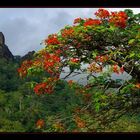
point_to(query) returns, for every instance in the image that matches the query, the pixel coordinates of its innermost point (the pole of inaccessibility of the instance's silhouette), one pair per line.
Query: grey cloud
(61, 18)
(25, 28)
(20, 35)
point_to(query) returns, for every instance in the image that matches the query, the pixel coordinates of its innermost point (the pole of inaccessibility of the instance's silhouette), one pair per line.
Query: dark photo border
(71, 136)
(69, 4)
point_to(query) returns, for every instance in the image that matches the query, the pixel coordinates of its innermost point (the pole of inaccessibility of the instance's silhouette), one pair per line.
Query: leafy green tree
(111, 42)
(9, 79)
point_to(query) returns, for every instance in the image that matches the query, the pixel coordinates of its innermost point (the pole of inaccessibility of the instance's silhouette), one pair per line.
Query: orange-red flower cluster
(24, 67)
(138, 85)
(102, 58)
(77, 20)
(40, 88)
(102, 13)
(122, 69)
(67, 32)
(51, 63)
(45, 87)
(37, 62)
(52, 40)
(80, 123)
(119, 19)
(74, 60)
(117, 70)
(70, 82)
(93, 67)
(90, 22)
(58, 51)
(40, 123)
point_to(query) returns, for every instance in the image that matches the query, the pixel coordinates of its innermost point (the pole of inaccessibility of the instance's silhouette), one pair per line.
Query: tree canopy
(109, 41)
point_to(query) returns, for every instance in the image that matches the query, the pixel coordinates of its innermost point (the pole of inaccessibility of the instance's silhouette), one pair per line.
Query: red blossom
(90, 22)
(51, 62)
(67, 32)
(40, 88)
(70, 82)
(93, 67)
(46, 87)
(102, 58)
(102, 13)
(77, 20)
(55, 58)
(119, 19)
(79, 122)
(74, 60)
(49, 90)
(36, 62)
(52, 40)
(24, 67)
(123, 15)
(116, 69)
(40, 123)
(58, 51)
(138, 85)
(122, 69)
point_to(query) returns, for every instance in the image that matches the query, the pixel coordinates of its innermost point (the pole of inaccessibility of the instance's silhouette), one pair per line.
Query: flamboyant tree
(112, 38)
(111, 41)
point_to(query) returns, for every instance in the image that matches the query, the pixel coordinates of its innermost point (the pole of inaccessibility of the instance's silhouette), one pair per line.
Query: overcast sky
(25, 28)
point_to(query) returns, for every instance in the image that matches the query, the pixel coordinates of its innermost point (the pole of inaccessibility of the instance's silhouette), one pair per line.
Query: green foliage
(9, 79)
(128, 89)
(11, 126)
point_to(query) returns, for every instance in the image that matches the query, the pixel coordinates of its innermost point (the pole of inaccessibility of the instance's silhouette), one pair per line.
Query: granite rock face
(4, 50)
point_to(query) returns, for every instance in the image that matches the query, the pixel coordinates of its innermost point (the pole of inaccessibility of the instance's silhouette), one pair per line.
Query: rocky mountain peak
(4, 50)
(2, 39)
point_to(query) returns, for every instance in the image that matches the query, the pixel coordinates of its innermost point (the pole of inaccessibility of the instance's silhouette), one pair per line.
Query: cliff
(4, 50)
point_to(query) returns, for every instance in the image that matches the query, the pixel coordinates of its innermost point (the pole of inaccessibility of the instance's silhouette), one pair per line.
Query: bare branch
(125, 80)
(68, 75)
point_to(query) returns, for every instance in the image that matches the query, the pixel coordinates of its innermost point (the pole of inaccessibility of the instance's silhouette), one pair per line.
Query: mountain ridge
(5, 52)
